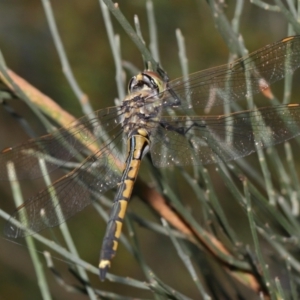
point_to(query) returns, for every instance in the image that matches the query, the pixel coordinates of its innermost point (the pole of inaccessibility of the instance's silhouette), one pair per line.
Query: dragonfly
(156, 117)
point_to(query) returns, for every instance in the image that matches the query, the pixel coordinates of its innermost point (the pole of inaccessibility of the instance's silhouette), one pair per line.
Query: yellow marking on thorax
(293, 105)
(139, 77)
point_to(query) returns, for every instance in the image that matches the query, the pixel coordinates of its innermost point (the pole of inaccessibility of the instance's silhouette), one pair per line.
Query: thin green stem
(114, 8)
(66, 68)
(18, 198)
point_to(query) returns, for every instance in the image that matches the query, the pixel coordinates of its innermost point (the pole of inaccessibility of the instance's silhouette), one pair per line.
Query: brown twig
(157, 202)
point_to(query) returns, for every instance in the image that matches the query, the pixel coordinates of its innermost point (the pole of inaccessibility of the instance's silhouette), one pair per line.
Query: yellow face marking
(128, 189)
(118, 229)
(139, 77)
(104, 263)
(123, 205)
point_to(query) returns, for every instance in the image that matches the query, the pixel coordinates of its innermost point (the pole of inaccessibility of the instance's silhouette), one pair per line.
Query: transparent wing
(204, 140)
(63, 145)
(70, 194)
(227, 83)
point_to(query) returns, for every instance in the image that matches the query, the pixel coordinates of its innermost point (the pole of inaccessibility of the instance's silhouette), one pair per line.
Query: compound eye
(150, 82)
(132, 84)
(154, 81)
(144, 81)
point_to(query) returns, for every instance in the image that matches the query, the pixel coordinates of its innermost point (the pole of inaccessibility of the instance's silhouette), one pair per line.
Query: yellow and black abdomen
(138, 145)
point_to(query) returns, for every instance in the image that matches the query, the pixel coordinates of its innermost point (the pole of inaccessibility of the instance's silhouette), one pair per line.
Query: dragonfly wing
(70, 194)
(60, 146)
(204, 140)
(227, 83)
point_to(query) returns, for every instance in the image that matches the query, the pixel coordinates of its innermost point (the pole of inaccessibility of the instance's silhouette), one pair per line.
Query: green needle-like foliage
(224, 231)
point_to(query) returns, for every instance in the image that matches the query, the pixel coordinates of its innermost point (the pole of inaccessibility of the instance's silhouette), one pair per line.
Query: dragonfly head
(146, 81)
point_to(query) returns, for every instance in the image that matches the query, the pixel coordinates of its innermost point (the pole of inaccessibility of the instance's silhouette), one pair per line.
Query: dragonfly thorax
(141, 106)
(140, 114)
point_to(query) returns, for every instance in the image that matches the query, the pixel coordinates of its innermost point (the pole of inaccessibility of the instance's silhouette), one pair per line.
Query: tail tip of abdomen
(103, 267)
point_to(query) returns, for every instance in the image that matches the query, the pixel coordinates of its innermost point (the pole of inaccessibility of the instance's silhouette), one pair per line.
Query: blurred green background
(28, 49)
